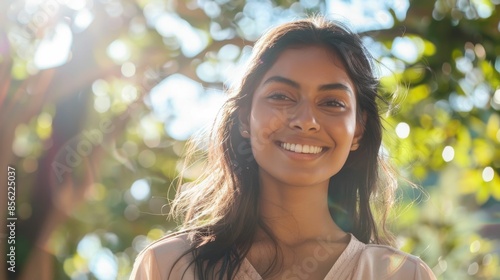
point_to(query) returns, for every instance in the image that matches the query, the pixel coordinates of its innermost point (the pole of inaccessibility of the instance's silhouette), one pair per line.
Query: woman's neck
(297, 214)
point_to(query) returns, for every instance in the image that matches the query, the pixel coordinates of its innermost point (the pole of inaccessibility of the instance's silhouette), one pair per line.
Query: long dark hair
(221, 210)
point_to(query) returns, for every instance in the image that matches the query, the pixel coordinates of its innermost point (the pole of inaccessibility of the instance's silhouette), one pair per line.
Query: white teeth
(298, 148)
(303, 149)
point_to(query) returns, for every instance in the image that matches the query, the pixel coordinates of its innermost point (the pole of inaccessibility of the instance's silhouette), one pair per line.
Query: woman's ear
(358, 133)
(244, 123)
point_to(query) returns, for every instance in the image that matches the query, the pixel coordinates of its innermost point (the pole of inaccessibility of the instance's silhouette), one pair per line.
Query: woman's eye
(279, 96)
(335, 103)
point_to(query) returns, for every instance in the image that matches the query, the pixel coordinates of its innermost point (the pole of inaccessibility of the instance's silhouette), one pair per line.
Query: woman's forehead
(303, 61)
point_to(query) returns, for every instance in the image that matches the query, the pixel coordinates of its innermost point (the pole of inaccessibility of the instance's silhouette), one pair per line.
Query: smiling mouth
(303, 149)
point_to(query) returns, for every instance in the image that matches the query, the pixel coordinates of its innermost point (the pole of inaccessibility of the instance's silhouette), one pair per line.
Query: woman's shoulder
(385, 262)
(171, 244)
(165, 258)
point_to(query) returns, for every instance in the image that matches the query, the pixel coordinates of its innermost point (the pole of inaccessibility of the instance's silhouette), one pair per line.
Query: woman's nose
(303, 119)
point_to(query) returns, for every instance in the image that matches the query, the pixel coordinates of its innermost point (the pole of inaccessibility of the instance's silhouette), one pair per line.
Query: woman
(293, 168)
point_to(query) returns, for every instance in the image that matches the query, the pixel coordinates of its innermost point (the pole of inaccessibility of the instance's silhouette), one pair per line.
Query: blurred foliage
(95, 154)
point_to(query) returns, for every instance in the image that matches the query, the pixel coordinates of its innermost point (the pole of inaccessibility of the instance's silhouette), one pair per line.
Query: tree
(94, 158)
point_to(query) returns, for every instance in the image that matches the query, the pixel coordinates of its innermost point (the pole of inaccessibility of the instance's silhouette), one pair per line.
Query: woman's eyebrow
(336, 86)
(283, 80)
(325, 87)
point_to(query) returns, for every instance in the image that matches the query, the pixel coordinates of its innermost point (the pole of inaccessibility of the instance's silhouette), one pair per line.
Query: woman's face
(302, 122)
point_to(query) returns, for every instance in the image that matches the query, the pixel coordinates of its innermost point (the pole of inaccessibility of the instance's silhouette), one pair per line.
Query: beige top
(358, 261)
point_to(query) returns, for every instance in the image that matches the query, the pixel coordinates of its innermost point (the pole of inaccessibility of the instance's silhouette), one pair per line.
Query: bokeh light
(140, 189)
(488, 174)
(104, 265)
(54, 50)
(448, 153)
(403, 130)
(118, 51)
(184, 106)
(128, 69)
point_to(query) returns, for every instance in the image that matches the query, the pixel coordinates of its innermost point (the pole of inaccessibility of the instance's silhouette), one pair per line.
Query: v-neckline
(341, 269)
